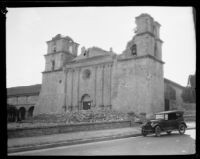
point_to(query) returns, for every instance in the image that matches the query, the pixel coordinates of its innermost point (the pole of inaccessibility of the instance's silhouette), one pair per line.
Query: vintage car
(166, 121)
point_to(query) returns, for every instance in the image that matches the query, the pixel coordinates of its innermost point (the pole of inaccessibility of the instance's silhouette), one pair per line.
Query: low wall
(189, 106)
(39, 131)
(189, 118)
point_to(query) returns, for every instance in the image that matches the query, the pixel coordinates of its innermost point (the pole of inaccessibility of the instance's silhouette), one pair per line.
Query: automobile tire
(157, 131)
(144, 133)
(169, 132)
(181, 129)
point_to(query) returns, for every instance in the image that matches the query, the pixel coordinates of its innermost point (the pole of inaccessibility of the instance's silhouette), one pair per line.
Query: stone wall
(137, 86)
(23, 100)
(189, 106)
(178, 101)
(58, 59)
(99, 83)
(87, 84)
(39, 131)
(145, 44)
(97, 86)
(12, 100)
(25, 106)
(32, 99)
(74, 86)
(51, 98)
(156, 83)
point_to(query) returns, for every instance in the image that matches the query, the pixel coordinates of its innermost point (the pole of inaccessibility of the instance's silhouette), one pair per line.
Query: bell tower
(143, 55)
(146, 40)
(60, 51)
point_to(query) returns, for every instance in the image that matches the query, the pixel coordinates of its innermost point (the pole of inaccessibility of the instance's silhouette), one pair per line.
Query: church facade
(130, 81)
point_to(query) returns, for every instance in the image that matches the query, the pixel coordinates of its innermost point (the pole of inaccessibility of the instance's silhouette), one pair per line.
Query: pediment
(92, 52)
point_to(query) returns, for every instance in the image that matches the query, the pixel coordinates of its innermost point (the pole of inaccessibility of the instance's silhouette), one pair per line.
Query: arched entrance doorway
(86, 102)
(30, 111)
(11, 113)
(22, 112)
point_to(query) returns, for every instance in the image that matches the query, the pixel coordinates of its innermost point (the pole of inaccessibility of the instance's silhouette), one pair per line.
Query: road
(150, 145)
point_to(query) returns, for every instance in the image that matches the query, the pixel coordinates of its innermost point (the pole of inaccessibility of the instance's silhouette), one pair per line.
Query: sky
(28, 29)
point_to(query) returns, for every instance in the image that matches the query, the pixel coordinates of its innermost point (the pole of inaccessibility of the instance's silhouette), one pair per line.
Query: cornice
(149, 33)
(23, 94)
(88, 65)
(173, 83)
(140, 57)
(58, 52)
(53, 71)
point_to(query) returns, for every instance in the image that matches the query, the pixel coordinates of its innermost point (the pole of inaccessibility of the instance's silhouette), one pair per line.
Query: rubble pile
(92, 115)
(74, 117)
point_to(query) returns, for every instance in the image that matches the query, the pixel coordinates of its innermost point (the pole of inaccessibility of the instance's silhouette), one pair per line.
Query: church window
(54, 46)
(52, 65)
(133, 49)
(155, 50)
(86, 74)
(86, 53)
(54, 49)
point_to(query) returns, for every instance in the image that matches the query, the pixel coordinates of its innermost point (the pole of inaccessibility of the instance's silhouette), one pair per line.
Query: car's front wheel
(157, 130)
(144, 133)
(181, 129)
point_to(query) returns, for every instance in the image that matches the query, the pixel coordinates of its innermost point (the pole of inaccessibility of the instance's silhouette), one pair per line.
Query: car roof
(171, 111)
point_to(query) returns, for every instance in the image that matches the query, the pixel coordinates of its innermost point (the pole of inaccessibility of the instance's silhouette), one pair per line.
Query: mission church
(130, 81)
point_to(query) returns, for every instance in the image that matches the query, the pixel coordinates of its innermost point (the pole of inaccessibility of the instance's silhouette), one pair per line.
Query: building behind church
(130, 81)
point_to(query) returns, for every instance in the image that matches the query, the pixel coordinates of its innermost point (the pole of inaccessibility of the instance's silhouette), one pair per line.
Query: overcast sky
(28, 29)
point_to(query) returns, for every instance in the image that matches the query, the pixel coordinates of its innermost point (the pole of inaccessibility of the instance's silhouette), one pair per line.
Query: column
(72, 89)
(111, 85)
(95, 85)
(26, 113)
(78, 88)
(102, 85)
(65, 90)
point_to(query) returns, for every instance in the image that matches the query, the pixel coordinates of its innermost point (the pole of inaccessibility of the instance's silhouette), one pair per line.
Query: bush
(188, 95)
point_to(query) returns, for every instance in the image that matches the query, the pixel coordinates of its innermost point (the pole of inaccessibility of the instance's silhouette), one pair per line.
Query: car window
(178, 115)
(172, 116)
(159, 116)
(166, 116)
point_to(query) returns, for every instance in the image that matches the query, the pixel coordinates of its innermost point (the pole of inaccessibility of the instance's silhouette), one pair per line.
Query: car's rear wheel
(181, 129)
(169, 132)
(157, 130)
(144, 133)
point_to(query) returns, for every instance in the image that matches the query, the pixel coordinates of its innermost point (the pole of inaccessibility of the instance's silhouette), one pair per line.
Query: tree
(187, 95)
(192, 84)
(189, 92)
